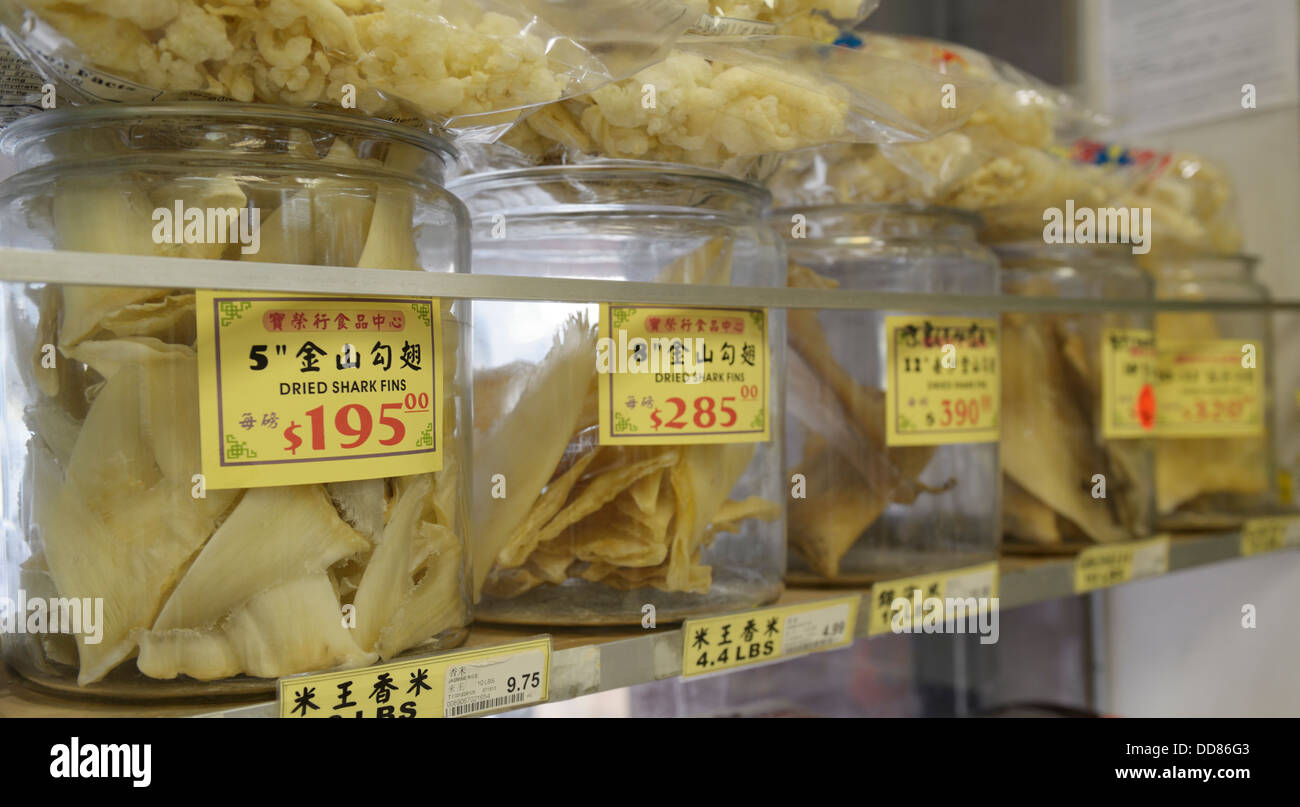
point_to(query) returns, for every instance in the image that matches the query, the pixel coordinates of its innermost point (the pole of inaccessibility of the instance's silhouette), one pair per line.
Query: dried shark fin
(387, 579)
(107, 356)
(1025, 517)
(1037, 405)
(645, 492)
(341, 210)
(273, 535)
(206, 194)
(204, 655)
(527, 442)
(113, 528)
(49, 301)
(93, 216)
(590, 498)
(361, 504)
(111, 458)
(710, 265)
(524, 539)
(292, 628)
(435, 604)
(839, 507)
(170, 397)
(170, 319)
(390, 239)
(55, 429)
(286, 232)
(34, 579)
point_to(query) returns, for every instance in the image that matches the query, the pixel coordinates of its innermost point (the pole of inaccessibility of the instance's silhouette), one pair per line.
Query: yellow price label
(906, 604)
(299, 389)
(1210, 388)
(944, 383)
(718, 643)
(674, 376)
(458, 684)
(1128, 361)
(1269, 534)
(1110, 565)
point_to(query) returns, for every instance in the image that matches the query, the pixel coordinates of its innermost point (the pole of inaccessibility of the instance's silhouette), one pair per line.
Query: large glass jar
(571, 527)
(199, 590)
(871, 507)
(1078, 398)
(1213, 481)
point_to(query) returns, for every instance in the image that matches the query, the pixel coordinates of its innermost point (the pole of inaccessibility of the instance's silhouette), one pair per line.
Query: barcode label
(814, 630)
(981, 583)
(1151, 558)
(487, 705)
(508, 679)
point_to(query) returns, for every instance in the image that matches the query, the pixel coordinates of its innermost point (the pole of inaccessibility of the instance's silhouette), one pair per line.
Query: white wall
(1175, 646)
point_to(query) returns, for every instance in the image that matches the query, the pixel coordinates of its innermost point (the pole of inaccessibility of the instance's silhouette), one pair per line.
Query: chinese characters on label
(449, 685)
(1211, 388)
(1102, 566)
(979, 582)
(298, 389)
(720, 643)
(683, 375)
(1128, 381)
(944, 382)
(1270, 534)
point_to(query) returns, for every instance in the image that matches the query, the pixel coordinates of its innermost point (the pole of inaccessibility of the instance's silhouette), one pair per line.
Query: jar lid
(884, 220)
(42, 125)
(632, 171)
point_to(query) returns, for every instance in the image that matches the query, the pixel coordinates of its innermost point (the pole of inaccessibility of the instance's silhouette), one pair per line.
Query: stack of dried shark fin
(625, 517)
(233, 582)
(851, 476)
(1052, 445)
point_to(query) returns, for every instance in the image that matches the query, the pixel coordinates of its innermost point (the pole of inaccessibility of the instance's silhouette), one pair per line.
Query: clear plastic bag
(819, 20)
(731, 102)
(468, 66)
(1193, 205)
(1000, 156)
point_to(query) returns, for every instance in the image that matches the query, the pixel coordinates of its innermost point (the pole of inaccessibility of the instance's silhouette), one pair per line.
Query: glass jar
(209, 591)
(1213, 481)
(571, 527)
(873, 508)
(1079, 400)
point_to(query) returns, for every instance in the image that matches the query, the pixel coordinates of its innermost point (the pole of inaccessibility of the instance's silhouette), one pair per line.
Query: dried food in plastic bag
(465, 64)
(997, 157)
(1191, 198)
(727, 102)
(821, 20)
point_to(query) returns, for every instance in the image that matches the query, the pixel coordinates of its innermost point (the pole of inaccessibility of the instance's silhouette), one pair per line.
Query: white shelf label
(478, 686)
(979, 583)
(812, 630)
(1151, 559)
